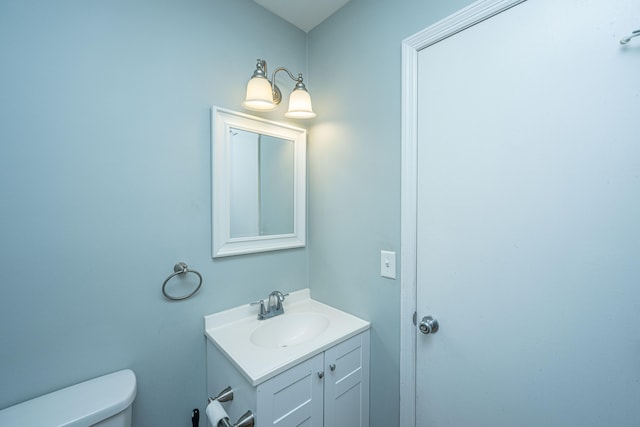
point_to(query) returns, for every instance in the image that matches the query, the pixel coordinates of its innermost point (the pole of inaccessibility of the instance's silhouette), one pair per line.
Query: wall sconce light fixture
(264, 95)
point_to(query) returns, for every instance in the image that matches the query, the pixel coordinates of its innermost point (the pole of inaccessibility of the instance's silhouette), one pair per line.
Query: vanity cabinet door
(292, 398)
(346, 388)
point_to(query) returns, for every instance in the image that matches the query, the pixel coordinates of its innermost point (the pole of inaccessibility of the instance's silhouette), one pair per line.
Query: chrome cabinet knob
(321, 374)
(428, 325)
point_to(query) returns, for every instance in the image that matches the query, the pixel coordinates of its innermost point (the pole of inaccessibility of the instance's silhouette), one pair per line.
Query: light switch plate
(388, 264)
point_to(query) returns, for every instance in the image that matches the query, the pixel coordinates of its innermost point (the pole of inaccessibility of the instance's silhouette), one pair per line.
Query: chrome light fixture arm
(627, 39)
(277, 94)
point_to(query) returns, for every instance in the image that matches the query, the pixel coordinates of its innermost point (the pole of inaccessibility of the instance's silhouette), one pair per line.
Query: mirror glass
(258, 184)
(262, 184)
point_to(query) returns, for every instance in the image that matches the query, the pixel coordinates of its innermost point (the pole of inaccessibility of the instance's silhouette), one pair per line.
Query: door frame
(411, 46)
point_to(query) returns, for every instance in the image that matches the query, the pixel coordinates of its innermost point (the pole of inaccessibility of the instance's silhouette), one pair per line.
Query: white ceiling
(304, 14)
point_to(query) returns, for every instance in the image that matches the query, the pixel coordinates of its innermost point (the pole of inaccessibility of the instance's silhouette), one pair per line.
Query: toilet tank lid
(81, 404)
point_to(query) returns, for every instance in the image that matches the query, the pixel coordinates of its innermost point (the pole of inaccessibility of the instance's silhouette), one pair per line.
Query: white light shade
(259, 96)
(300, 105)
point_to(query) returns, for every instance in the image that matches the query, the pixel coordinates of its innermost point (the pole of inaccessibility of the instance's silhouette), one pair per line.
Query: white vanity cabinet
(308, 366)
(346, 383)
(328, 389)
(294, 397)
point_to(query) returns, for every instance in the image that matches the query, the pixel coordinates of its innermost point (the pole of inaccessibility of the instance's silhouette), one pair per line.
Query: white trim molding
(223, 243)
(459, 21)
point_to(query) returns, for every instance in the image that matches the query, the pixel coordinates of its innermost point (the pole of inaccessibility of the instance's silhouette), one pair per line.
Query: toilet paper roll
(215, 412)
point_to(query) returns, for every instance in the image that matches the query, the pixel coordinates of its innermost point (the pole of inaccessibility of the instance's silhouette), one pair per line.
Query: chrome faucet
(274, 305)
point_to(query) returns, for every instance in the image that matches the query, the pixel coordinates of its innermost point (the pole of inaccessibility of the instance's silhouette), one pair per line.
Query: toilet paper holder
(246, 420)
(225, 395)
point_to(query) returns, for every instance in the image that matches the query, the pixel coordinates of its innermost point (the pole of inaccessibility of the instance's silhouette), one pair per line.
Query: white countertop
(230, 331)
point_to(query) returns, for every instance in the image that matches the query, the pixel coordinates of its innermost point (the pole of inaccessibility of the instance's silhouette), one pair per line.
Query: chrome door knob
(428, 325)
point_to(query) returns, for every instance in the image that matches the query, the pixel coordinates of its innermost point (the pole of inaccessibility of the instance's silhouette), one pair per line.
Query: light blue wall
(354, 176)
(105, 185)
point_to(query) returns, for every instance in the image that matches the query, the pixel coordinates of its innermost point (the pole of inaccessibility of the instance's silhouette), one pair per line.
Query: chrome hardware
(277, 297)
(428, 325)
(332, 367)
(181, 268)
(246, 420)
(262, 312)
(225, 395)
(627, 39)
(273, 307)
(321, 374)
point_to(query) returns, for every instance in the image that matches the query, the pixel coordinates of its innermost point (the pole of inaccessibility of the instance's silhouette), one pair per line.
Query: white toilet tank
(103, 402)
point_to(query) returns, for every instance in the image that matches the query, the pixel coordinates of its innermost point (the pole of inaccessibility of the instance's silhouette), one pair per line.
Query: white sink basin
(261, 349)
(289, 329)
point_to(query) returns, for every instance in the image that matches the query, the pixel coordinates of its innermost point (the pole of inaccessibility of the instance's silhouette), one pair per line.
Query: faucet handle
(262, 309)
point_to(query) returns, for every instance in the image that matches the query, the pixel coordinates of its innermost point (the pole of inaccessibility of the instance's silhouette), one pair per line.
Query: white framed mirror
(258, 184)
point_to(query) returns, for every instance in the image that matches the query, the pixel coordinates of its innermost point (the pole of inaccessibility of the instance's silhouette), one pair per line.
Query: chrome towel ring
(180, 268)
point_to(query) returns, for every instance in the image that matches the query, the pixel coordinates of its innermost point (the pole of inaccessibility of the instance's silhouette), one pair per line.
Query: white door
(528, 231)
